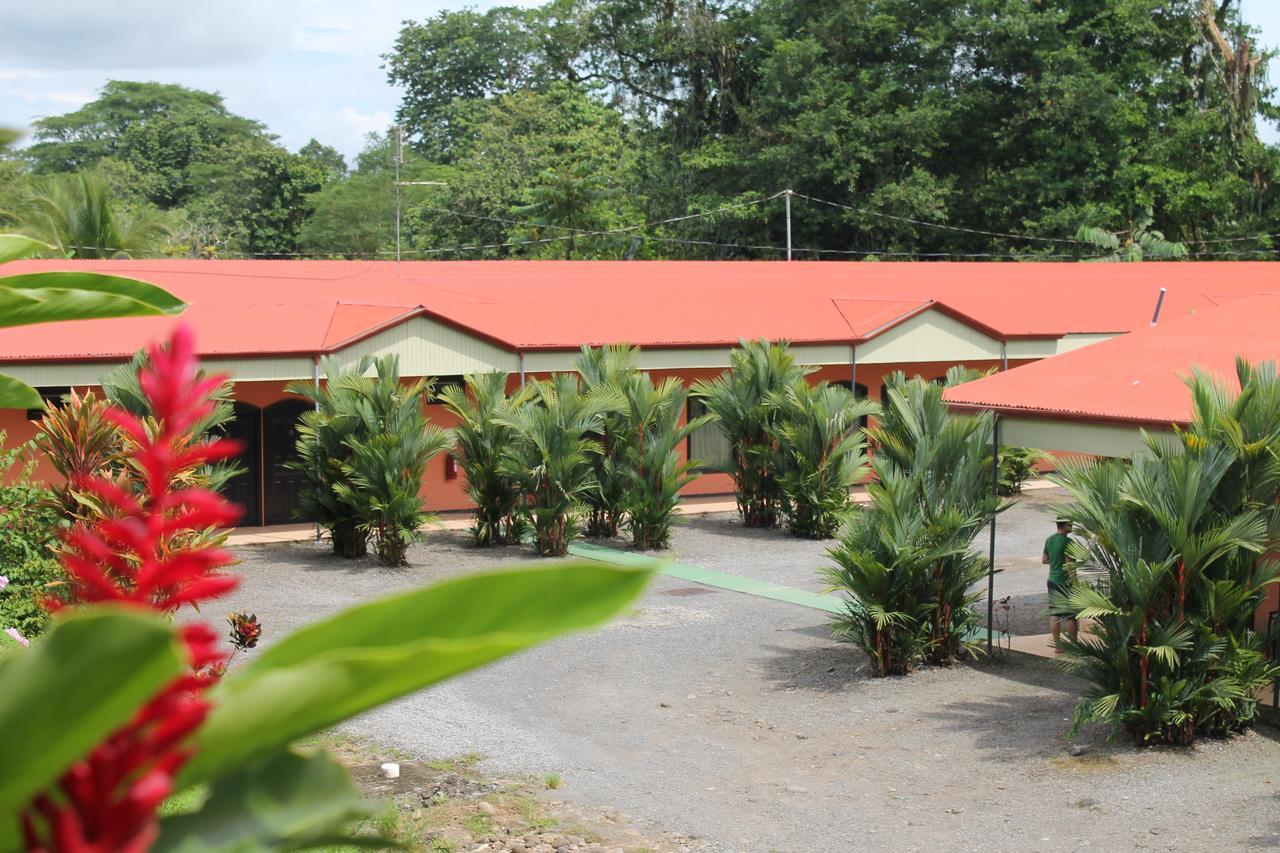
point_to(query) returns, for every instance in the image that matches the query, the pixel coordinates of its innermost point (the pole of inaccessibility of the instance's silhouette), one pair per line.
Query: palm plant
(77, 215)
(122, 388)
(653, 467)
(1143, 243)
(481, 436)
(822, 451)
(906, 561)
(602, 369)
(1181, 532)
(323, 449)
(364, 451)
(739, 399)
(551, 458)
(389, 455)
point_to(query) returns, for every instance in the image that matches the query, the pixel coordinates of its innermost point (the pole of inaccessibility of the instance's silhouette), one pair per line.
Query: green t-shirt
(1056, 547)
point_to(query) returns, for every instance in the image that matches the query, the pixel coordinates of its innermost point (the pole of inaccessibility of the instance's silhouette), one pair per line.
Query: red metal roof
(1136, 378)
(264, 308)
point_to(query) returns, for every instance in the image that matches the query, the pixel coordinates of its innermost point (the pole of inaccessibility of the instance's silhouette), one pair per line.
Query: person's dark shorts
(1056, 609)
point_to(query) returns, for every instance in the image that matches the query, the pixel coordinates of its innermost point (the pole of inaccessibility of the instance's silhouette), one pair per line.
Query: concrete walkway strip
(710, 577)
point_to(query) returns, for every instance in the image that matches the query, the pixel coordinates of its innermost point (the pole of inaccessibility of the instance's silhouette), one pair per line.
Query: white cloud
(140, 34)
(365, 123)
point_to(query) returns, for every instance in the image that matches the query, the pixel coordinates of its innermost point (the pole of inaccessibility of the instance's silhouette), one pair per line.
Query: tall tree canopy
(926, 128)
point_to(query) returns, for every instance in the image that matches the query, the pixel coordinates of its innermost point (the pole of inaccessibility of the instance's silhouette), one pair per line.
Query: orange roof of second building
(1136, 378)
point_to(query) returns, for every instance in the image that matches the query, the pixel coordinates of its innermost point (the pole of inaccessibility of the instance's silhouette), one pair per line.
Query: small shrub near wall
(29, 526)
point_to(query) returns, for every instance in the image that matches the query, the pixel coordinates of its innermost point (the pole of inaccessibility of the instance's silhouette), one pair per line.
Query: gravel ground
(736, 720)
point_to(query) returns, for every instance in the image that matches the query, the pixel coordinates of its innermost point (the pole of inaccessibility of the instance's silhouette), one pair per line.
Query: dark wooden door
(245, 489)
(281, 486)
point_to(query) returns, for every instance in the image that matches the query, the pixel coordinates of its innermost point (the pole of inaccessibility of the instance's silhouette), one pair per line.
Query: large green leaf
(284, 801)
(18, 395)
(16, 246)
(386, 649)
(50, 297)
(64, 695)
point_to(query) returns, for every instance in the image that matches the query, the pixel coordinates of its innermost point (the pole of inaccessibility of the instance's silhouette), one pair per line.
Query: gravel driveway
(735, 719)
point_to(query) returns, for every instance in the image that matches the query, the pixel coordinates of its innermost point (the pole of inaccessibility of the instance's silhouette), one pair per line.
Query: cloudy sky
(307, 68)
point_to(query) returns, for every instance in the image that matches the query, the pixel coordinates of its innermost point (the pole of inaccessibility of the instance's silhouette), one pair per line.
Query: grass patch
(552, 781)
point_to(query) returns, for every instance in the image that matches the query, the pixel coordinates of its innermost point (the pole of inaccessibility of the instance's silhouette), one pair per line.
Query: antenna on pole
(399, 158)
(787, 195)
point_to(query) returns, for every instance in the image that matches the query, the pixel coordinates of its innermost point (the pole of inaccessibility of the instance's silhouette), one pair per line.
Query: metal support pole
(991, 557)
(520, 362)
(853, 369)
(315, 383)
(787, 195)
(1004, 355)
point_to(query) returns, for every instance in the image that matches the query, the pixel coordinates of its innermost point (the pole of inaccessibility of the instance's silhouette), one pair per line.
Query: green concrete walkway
(724, 580)
(710, 577)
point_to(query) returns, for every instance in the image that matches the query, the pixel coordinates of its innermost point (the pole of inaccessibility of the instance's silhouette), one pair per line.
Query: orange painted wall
(441, 493)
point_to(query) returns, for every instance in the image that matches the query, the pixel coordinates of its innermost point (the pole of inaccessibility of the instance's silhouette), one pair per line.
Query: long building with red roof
(270, 322)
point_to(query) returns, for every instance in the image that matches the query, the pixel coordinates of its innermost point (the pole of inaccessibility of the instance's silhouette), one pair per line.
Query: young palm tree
(822, 450)
(364, 451)
(907, 561)
(77, 214)
(1181, 532)
(602, 369)
(739, 400)
(482, 435)
(551, 458)
(651, 454)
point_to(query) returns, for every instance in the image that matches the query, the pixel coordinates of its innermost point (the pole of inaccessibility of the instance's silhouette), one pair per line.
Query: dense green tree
(166, 131)
(326, 159)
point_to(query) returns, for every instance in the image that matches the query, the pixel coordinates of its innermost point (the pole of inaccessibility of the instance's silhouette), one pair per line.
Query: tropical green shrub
(651, 460)
(365, 450)
(483, 408)
(120, 387)
(551, 458)
(78, 440)
(29, 526)
(739, 399)
(1184, 532)
(603, 369)
(1017, 465)
(907, 561)
(821, 453)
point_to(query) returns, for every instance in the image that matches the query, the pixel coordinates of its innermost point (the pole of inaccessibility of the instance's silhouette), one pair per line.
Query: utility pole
(399, 157)
(787, 195)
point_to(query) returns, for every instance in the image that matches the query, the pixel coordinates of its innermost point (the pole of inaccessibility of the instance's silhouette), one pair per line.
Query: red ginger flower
(141, 553)
(135, 552)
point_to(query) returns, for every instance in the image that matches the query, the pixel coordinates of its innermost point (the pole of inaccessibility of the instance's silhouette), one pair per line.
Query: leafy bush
(821, 454)
(1184, 532)
(365, 450)
(906, 561)
(29, 527)
(78, 440)
(1017, 465)
(551, 457)
(483, 409)
(605, 369)
(651, 457)
(739, 399)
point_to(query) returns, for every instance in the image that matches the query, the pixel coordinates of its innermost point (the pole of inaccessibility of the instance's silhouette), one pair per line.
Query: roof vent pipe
(1155, 318)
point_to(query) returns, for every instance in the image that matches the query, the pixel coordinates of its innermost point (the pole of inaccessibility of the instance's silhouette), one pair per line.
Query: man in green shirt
(1055, 557)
